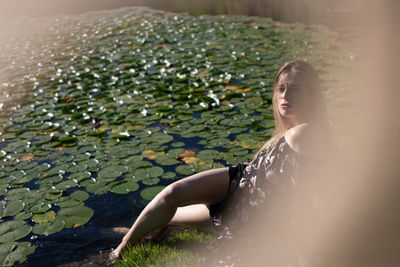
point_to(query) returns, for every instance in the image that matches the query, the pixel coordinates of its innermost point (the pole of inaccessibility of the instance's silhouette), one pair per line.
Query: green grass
(180, 249)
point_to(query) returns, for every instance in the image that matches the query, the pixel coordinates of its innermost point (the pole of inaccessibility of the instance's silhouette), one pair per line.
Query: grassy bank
(179, 249)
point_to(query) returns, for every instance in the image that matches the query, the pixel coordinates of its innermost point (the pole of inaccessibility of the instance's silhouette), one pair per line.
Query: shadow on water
(91, 243)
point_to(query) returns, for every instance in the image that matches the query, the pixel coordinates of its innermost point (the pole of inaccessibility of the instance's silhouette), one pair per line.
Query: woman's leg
(207, 187)
(197, 216)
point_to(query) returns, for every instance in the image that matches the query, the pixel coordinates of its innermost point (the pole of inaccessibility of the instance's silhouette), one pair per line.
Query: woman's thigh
(208, 187)
(191, 215)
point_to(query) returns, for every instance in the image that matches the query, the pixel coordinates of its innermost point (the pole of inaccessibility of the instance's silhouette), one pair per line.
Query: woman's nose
(285, 93)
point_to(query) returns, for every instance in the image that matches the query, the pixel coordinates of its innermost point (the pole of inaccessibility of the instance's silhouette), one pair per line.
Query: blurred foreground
(331, 13)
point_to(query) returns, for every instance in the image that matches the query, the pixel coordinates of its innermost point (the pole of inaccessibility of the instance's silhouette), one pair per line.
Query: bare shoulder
(306, 139)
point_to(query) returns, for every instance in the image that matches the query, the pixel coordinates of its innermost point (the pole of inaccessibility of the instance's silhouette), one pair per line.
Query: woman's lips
(285, 105)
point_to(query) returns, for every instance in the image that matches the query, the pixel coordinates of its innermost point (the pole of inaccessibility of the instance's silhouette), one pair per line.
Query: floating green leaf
(75, 216)
(169, 175)
(150, 181)
(124, 187)
(166, 160)
(22, 216)
(40, 208)
(14, 252)
(98, 187)
(10, 208)
(178, 144)
(207, 154)
(151, 172)
(69, 203)
(44, 217)
(49, 228)
(78, 168)
(112, 172)
(13, 230)
(80, 195)
(185, 169)
(161, 138)
(150, 192)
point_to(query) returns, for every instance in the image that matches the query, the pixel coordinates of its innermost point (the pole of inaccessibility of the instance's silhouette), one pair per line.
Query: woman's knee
(170, 194)
(203, 188)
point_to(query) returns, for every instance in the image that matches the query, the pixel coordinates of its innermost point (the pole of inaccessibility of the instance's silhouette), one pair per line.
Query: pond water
(102, 110)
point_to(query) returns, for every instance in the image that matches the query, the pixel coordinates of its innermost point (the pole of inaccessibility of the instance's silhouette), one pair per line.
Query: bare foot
(115, 254)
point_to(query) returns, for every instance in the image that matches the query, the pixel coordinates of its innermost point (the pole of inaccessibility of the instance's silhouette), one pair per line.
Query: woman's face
(291, 98)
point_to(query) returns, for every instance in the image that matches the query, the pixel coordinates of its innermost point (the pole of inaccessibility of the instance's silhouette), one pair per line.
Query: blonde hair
(316, 111)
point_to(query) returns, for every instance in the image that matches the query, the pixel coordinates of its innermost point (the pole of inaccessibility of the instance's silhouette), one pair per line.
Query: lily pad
(168, 175)
(217, 142)
(40, 208)
(80, 176)
(10, 208)
(150, 181)
(161, 138)
(69, 203)
(186, 169)
(207, 154)
(98, 187)
(53, 194)
(150, 192)
(165, 160)
(44, 217)
(112, 172)
(23, 216)
(78, 168)
(124, 187)
(137, 162)
(178, 144)
(80, 195)
(75, 216)
(13, 230)
(14, 252)
(152, 172)
(63, 185)
(21, 193)
(49, 228)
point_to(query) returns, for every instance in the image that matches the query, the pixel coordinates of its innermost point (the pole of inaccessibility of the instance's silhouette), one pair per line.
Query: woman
(301, 127)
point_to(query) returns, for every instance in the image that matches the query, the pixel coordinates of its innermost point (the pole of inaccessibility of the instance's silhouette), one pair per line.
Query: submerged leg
(207, 187)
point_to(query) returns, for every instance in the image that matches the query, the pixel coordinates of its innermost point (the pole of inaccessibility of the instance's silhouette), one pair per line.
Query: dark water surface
(91, 243)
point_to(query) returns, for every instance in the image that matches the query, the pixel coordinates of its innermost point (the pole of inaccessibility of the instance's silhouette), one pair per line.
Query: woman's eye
(281, 89)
